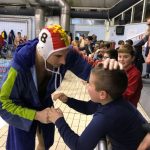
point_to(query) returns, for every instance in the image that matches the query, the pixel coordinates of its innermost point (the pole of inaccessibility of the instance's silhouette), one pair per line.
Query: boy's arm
(90, 137)
(79, 105)
(84, 107)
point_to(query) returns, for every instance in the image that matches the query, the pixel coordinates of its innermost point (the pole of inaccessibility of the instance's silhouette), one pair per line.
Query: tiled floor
(73, 87)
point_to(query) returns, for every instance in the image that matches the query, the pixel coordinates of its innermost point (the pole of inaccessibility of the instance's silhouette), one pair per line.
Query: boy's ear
(103, 95)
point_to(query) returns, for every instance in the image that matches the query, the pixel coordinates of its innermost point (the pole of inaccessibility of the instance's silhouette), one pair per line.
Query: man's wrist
(36, 115)
(66, 100)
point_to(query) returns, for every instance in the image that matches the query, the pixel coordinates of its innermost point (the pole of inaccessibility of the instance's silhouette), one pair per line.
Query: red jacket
(1, 41)
(133, 91)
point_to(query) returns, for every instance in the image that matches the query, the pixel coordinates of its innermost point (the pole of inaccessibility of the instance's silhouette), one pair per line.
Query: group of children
(36, 71)
(9, 43)
(113, 94)
(126, 56)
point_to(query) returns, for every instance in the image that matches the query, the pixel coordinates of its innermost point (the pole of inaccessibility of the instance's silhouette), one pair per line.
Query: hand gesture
(148, 31)
(42, 116)
(61, 96)
(54, 114)
(145, 144)
(112, 64)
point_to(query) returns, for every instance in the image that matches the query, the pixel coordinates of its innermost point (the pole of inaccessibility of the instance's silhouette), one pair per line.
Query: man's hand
(145, 144)
(112, 64)
(42, 116)
(147, 32)
(61, 96)
(54, 114)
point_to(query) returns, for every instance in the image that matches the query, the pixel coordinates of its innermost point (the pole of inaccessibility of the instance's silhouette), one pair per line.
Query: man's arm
(142, 42)
(145, 144)
(15, 114)
(81, 65)
(77, 63)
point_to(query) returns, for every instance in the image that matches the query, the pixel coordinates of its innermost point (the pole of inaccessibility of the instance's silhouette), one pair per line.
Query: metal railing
(137, 37)
(102, 145)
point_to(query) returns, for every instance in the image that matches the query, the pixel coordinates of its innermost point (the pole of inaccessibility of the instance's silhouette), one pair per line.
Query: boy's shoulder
(118, 105)
(134, 71)
(113, 105)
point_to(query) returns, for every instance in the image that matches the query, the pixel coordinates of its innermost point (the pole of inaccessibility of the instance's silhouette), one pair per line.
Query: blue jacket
(19, 99)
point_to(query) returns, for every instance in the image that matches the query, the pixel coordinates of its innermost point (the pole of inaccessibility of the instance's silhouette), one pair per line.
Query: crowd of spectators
(9, 42)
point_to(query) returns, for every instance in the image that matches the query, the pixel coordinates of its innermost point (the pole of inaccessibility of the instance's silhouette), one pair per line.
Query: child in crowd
(113, 116)
(111, 53)
(130, 42)
(76, 42)
(18, 39)
(126, 56)
(98, 55)
(81, 40)
(120, 44)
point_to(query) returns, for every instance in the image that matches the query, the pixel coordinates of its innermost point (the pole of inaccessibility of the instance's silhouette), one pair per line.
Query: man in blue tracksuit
(37, 69)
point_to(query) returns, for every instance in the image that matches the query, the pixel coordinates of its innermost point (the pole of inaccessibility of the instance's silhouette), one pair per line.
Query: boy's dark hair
(114, 82)
(127, 49)
(18, 32)
(77, 38)
(107, 44)
(130, 42)
(113, 54)
(101, 41)
(82, 35)
(120, 42)
(90, 38)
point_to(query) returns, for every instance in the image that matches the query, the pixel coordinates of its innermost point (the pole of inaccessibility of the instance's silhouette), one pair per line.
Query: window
(147, 14)
(117, 19)
(119, 30)
(127, 16)
(138, 12)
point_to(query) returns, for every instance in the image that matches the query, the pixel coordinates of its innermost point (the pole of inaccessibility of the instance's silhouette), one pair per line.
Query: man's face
(57, 59)
(125, 59)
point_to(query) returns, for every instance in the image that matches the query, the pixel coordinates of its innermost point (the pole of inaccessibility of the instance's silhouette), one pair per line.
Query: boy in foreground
(113, 116)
